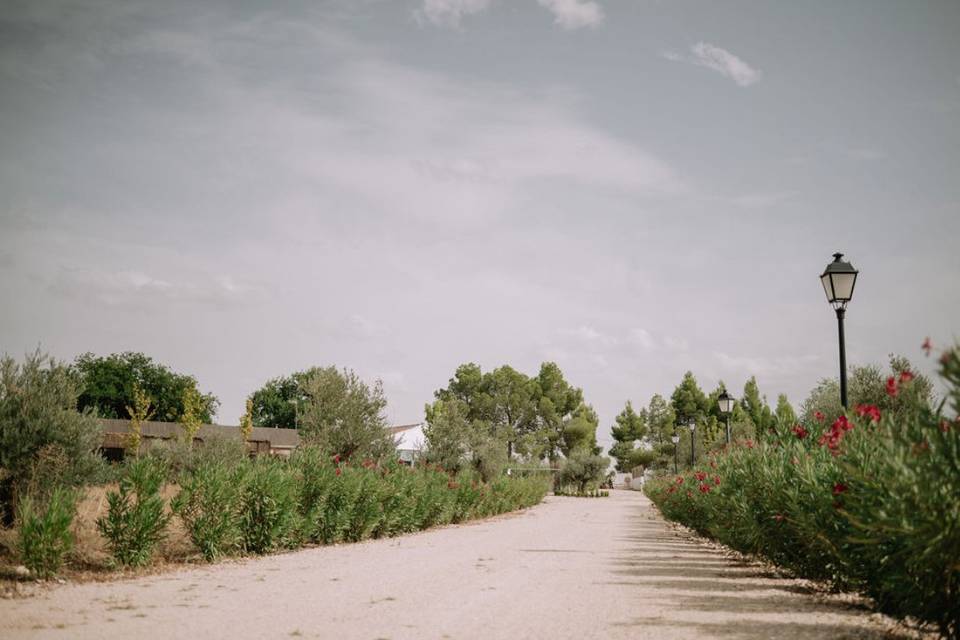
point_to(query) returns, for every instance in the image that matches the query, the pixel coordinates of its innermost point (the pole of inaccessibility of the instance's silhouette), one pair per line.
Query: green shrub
(870, 502)
(38, 401)
(319, 499)
(268, 506)
(44, 537)
(182, 457)
(209, 505)
(135, 522)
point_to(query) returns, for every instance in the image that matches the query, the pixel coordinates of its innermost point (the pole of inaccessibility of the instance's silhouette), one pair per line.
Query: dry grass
(90, 559)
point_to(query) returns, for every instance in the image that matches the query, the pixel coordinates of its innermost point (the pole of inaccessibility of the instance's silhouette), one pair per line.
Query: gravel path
(569, 568)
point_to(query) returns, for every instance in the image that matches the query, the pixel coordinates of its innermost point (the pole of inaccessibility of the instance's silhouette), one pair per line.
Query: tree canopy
(107, 383)
(536, 417)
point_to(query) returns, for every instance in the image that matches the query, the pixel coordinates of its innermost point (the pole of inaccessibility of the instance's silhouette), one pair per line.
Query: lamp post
(838, 280)
(676, 456)
(693, 442)
(726, 407)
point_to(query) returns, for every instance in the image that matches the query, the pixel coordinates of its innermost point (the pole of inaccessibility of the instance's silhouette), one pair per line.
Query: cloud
(574, 14)
(448, 13)
(725, 63)
(589, 335)
(642, 338)
(719, 60)
(568, 14)
(138, 290)
(766, 366)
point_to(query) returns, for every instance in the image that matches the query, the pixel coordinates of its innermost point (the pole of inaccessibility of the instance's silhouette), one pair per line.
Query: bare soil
(568, 568)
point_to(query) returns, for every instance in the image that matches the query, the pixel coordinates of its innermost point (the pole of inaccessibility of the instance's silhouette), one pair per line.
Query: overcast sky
(631, 189)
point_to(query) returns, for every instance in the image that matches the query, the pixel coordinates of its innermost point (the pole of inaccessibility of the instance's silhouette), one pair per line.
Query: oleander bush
(268, 506)
(870, 502)
(136, 519)
(43, 536)
(209, 506)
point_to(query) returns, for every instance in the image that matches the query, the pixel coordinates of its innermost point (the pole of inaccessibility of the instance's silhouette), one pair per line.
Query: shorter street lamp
(693, 441)
(676, 459)
(838, 280)
(726, 407)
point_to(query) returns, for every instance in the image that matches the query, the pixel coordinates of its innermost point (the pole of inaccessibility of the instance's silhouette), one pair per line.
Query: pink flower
(892, 389)
(704, 488)
(868, 411)
(926, 346)
(716, 480)
(778, 517)
(338, 471)
(679, 479)
(818, 415)
(700, 475)
(799, 431)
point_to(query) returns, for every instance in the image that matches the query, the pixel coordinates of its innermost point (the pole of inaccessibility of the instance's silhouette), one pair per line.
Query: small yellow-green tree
(192, 412)
(246, 421)
(140, 412)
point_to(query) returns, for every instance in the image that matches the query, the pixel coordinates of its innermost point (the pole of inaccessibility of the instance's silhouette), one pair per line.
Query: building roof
(278, 438)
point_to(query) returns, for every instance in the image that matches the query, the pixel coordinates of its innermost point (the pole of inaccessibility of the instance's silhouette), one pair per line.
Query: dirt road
(569, 568)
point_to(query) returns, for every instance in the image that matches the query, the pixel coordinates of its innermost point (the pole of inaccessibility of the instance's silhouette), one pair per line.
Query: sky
(631, 189)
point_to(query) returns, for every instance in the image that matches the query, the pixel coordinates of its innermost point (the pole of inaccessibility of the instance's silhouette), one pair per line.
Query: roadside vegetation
(867, 500)
(65, 507)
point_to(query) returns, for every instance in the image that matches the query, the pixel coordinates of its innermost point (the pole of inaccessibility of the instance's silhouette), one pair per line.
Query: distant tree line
(643, 438)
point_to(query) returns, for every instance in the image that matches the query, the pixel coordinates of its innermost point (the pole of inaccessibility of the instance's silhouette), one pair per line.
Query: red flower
(926, 346)
(671, 489)
(906, 376)
(338, 471)
(778, 517)
(944, 426)
(892, 387)
(704, 488)
(336, 459)
(868, 411)
(799, 431)
(679, 479)
(716, 480)
(700, 475)
(748, 444)
(839, 488)
(819, 416)
(689, 494)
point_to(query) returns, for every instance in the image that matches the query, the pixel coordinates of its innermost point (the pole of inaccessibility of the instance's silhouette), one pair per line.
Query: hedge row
(870, 502)
(231, 507)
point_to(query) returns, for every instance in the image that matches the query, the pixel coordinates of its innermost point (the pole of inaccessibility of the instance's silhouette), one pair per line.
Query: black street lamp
(838, 280)
(726, 408)
(676, 456)
(693, 441)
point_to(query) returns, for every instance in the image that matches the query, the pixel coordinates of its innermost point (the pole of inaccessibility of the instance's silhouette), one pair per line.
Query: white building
(409, 441)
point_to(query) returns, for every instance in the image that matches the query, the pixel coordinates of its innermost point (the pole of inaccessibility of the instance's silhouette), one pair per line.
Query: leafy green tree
(557, 399)
(688, 400)
(38, 416)
(277, 403)
(107, 382)
(756, 407)
(867, 385)
(455, 442)
(582, 469)
(532, 416)
(630, 427)
(786, 417)
(344, 416)
(140, 412)
(580, 431)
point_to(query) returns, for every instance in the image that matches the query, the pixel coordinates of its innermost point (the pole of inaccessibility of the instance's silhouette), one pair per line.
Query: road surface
(601, 568)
